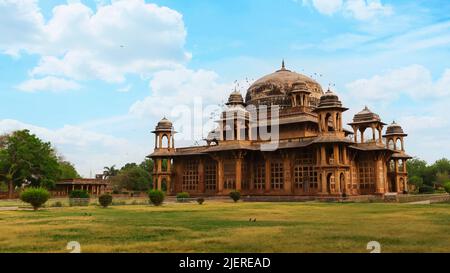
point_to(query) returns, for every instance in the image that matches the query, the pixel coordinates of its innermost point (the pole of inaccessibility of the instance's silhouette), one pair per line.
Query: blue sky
(93, 77)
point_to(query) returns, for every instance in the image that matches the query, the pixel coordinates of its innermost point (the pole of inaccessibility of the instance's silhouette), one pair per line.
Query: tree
(24, 158)
(67, 171)
(417, 181)
(132, 178)
(110, 171)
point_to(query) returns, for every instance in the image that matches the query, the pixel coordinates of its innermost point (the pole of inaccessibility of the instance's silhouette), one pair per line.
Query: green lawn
(225, 227)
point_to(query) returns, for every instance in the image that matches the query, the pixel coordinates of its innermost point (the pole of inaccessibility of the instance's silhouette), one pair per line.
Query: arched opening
(338, 122)
(391, 144)
(368, 135)
(398, 144)
(165, 141)
(164, 185)
(330, 183)
(403, 187)
(327, 120)
(342, 183)
(401, 165)
(358, 136)
(392, 165)
(164, 164)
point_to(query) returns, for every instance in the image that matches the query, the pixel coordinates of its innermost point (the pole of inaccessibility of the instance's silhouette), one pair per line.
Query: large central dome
(274, 89)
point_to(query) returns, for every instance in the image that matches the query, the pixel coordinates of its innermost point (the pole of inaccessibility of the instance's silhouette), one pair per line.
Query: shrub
(447, 187)
(57, 204)
(156, 197)
(105, 200)
(235, 195)
(79, 194)
(426, 189)
(181, 196)
(200, 200)
(79, 198)
(36, 197)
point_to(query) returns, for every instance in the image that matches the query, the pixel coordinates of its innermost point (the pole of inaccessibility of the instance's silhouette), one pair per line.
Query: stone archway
(329, 181)
(342, 183)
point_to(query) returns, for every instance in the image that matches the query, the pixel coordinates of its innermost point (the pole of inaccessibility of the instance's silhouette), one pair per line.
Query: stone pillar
(238, 129)
(268, 169)
(238, 173)
(323, 157)
(287, 174)
(159, 187)
(344, 154)
(380, 137)
(220, 175)
(362, 134)
(336, 154)
(168, 185)
(378, 186)
(252, 175)
(337, 181)
(373, 133)
(323, 182)
(169, 165)
(201, 176)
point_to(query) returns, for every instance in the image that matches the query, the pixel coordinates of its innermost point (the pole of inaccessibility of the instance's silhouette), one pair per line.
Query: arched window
(392, 164)
(342, 182)
(398, 144)
(401, 165)
(327, 120)
(338, 122)
(368, 136)
(391, 144)
(165, 141)
(331, 185)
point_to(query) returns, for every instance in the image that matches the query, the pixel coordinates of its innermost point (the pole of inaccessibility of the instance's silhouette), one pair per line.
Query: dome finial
(283, 67)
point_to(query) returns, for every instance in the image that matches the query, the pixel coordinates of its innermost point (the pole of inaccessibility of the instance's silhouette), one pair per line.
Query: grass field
(225, 227)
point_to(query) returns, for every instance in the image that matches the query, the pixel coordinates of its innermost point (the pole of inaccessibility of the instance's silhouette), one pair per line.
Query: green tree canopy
(24, 158)
(67, 171)
(134, 177)
(422, 174)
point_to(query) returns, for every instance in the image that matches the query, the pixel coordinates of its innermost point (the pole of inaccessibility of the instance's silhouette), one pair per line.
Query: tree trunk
(10, 189)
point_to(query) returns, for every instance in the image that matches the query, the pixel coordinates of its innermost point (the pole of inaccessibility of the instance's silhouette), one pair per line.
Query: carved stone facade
(313, 154)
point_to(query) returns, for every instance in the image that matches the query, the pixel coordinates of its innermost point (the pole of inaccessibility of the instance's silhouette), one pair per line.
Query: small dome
(164, 124)
(235, 98)
(366, 116)
(329, 99)
(394, 129)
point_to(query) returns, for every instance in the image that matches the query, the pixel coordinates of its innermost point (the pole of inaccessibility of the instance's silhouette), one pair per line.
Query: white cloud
(124, 37)
(415, 81)
(327, 7)
(21, 25)
(191, 99)
(125, 89)
(363, 10)
(180, 87)
(367, 9)
(88, 150)
(52, 84)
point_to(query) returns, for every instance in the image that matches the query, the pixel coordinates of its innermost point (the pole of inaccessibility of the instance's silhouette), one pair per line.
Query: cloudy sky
(94, 77)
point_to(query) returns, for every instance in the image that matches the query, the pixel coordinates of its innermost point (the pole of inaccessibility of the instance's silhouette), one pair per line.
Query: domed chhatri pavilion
(314, 154)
